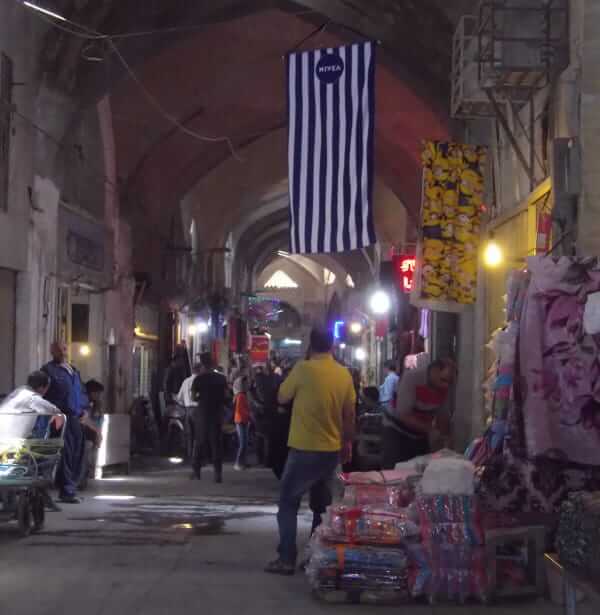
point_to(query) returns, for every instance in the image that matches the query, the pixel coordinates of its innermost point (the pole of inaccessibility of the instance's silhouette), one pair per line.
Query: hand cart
(30, 449)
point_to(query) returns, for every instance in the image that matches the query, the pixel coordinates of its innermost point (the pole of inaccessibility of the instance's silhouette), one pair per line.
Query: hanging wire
(312, 34)
(158, 106)
(84, 32)
(322, 28)
(62, 147)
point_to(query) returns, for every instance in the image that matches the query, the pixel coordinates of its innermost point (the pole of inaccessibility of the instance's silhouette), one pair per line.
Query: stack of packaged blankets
(401, 535)
(361, 552)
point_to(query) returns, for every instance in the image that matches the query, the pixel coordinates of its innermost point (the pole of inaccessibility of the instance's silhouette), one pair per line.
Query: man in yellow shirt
(323, 424)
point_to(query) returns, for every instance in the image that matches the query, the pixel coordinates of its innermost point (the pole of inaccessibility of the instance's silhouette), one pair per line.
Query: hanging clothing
(560, 363)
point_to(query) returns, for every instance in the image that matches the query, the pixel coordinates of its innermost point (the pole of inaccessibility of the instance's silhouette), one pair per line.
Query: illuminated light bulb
(356, 328)
(360, 354)
(380, 302)
(492, 255)
(84, 350)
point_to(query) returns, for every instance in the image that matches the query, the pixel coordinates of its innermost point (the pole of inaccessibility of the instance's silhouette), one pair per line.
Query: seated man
(29, 400)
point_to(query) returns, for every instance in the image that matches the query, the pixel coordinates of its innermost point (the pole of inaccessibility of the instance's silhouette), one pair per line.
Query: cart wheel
(38, 511)
(24, 514)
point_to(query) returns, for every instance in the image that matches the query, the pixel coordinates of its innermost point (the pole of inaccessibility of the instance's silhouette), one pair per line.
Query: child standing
(241, 419)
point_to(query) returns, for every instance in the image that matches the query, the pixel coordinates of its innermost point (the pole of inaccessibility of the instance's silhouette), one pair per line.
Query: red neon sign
(405, 268)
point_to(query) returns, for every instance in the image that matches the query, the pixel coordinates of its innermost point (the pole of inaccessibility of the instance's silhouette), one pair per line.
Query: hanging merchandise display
(541, 394)
(451, 221)
(561, 407)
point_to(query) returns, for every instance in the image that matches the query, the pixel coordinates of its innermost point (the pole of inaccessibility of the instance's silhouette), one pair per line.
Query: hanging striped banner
(331, 107)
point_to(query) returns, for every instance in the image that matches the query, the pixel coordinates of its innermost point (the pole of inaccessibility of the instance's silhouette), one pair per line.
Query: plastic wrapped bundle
(368, 526)
(381, 496)
(449, 476)
(26, 451)
(455, 573)
(389, 489)
(450, 519)
(350, 573)
(419, 464)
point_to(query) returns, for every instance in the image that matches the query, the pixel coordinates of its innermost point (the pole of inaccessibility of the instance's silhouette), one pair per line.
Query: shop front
(7, 330)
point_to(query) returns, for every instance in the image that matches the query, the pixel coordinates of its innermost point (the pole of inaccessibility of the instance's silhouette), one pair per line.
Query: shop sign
(405, 268)
(84, 251)
(84, 248)
(259, 349)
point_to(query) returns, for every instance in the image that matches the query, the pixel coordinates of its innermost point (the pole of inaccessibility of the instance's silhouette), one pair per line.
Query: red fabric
(242, 409)
(426, 396)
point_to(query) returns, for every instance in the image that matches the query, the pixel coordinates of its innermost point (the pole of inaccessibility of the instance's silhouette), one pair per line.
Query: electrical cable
(157, 105)
(61, 146)
(93, 35)
(90, 34)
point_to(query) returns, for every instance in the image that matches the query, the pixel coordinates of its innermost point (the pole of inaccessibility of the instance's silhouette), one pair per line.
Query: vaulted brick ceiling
(226, 78)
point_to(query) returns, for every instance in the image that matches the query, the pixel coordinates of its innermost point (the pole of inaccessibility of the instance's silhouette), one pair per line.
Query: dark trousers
(399, 447)
(69, 468)
(208, 440)
(305, 471)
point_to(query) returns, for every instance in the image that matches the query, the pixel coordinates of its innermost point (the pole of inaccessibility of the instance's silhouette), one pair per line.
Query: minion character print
(451, 220)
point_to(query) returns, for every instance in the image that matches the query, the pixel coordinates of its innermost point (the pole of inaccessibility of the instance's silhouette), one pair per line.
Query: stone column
(588, 239)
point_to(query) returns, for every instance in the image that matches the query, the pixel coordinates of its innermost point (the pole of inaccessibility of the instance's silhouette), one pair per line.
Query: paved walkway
(157, 543)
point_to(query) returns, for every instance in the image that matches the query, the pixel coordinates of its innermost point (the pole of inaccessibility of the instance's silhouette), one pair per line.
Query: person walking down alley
(175, 375)
(322, 427)
(241, 418)
(387, 391)
(67, 393)
(209, 392)
(185, 399)
(419, 413)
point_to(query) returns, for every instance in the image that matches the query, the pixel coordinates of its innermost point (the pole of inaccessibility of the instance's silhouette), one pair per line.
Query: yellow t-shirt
(321, 389)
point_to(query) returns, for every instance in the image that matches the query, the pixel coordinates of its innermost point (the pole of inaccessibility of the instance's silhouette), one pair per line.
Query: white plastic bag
(449, 476)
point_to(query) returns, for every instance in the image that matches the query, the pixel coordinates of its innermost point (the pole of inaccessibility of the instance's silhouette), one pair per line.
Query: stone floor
(157, 543)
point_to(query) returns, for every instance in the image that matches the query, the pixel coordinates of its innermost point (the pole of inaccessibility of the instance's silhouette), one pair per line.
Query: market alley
(158, 543)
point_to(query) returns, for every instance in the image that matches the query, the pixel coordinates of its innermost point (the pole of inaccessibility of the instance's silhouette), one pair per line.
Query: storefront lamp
(338, 326)
(492, 255)
(202, 327)
(84, 350)
(380, 303)
(355, 328)
(360, 354)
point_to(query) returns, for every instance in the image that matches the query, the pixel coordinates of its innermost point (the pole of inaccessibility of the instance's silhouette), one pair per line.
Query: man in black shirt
(208, 390)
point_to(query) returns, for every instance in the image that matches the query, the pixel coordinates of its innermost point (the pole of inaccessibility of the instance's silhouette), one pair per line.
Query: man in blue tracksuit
(68, 394)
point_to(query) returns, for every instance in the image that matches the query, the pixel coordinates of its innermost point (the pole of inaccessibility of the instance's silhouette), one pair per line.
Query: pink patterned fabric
(560, 363)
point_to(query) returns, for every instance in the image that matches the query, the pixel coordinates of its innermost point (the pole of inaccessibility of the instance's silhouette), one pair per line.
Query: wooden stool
(533, 539)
